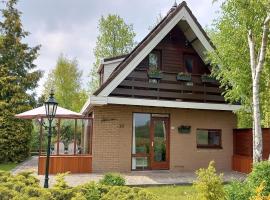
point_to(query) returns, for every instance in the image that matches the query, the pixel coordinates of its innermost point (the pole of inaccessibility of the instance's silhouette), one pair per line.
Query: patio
(142, 178)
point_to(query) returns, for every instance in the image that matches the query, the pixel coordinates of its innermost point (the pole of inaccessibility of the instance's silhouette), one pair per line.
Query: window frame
(209, 146)
(159, 56)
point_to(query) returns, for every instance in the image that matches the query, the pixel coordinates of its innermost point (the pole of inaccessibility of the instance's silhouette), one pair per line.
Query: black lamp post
(50, 107)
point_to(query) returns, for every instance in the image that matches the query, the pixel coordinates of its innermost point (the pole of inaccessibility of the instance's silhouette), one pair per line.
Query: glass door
(159, 143)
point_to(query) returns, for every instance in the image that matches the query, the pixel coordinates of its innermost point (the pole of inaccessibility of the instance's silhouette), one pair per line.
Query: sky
(70, 27)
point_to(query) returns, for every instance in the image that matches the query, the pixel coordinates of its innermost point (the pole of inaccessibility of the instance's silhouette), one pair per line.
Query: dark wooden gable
(174, 54)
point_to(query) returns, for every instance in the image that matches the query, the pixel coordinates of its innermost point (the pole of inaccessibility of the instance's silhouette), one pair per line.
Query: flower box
(184, 77)
(208, 79)
(184, 129)
(154, 73)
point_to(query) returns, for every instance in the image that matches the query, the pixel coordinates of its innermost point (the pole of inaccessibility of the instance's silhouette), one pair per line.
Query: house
(157, 108)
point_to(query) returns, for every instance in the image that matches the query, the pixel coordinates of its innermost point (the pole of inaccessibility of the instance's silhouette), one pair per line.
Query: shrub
(126, 193)
(238, 191)
(260, 173)
(25, 186)
(259, 195)
(113, 179)
(209, 184)
(61, 190)
(91, 191)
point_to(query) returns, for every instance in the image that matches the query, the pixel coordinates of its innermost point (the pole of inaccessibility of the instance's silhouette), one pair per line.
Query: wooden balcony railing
(137, 85)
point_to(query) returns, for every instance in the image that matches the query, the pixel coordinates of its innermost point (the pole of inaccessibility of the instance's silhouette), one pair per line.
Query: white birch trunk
(256, 69)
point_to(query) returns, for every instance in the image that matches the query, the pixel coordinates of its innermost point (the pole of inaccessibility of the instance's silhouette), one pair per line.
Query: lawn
(8, 166)
(172, 192)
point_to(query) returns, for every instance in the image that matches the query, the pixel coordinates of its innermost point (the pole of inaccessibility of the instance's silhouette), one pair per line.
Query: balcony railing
(137, 85)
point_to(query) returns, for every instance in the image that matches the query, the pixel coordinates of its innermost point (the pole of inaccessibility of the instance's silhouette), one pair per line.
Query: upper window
(189, 64)
(208, 138)
(154, 59)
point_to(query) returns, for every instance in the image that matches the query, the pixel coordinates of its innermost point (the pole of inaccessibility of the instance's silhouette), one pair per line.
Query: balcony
(137, 85)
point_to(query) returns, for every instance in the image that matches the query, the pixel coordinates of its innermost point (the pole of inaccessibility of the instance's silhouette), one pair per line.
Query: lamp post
(50, 108)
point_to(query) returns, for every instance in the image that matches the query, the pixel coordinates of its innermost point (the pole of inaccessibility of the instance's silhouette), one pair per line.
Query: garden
(208, 186)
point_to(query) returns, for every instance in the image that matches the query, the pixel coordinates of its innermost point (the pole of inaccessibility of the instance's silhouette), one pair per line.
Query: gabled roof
(192, 30)
(181, 16)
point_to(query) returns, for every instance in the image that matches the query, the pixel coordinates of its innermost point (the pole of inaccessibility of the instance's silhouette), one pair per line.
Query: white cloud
(70, 26)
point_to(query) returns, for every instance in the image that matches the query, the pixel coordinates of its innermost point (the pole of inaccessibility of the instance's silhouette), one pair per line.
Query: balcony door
(150, 146)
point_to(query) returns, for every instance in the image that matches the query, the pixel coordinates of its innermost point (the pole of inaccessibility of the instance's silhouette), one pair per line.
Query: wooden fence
(242, 151)
(68, 163)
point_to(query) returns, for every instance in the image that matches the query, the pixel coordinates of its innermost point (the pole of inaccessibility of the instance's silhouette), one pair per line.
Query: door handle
(152, 143)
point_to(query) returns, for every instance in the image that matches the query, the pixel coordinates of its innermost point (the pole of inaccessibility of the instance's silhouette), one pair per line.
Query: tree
(65, 79)
(159, 18)
(240, 36)
(18, 79)
(115, 38)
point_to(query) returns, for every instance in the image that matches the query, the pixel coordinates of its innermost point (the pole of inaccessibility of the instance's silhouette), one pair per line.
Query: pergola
(71, 148)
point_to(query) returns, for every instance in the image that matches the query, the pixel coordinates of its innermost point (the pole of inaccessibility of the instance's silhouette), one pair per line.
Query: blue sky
(70, 26)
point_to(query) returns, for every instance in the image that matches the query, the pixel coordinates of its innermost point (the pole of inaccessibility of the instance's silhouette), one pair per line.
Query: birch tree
(256, 64)
(240, 36)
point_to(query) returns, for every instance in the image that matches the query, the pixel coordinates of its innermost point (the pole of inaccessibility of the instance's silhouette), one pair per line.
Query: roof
(40, 112)
(100, 101)
(181, 16)
(170, 16)
(110, 60)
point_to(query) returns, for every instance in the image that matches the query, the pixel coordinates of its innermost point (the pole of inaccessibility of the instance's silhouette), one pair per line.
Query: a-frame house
(157, 107)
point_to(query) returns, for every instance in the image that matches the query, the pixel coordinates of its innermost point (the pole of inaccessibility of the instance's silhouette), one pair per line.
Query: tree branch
(263, 46)
(251, 45)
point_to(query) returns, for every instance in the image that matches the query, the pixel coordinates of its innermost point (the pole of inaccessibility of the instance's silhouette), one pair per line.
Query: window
(208, 138)
(70, 137)
(154, 59)
(189, 64)
(141, 140)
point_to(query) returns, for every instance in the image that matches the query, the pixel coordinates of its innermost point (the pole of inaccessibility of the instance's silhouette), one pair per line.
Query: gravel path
(145, 178)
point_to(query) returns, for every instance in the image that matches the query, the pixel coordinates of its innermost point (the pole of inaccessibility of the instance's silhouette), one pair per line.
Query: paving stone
(143, 178)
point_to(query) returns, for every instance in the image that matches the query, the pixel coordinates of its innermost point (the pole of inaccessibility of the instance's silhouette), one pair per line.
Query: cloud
(70, 26)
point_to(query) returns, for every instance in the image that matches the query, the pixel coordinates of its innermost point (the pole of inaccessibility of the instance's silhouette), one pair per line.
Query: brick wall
(112, 137)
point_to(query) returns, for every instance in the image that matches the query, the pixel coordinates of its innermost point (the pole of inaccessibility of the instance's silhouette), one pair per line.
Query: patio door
(159, 148)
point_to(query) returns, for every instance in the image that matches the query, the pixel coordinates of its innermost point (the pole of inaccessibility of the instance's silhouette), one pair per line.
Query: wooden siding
(173, 49)
(243, 144)
(61, 164)
(168, 88)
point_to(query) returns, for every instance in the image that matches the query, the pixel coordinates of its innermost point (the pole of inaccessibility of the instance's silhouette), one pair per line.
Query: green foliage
(113, 179)
(232, 54)
(259, 193)
(66, 80)
(24, 186)
(126, 193)
(238, 190)
(115, 38)
(260, 173)
(18, 78)
(209, 184)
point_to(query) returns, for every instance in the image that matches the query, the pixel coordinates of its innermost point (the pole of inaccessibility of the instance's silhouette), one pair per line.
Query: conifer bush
(25, 186)
(208, 184)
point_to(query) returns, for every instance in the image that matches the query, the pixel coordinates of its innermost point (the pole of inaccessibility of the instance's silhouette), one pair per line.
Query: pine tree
(18, 78)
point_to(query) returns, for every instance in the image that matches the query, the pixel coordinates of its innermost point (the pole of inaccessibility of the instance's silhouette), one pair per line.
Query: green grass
(7, 166)
(172, 192)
